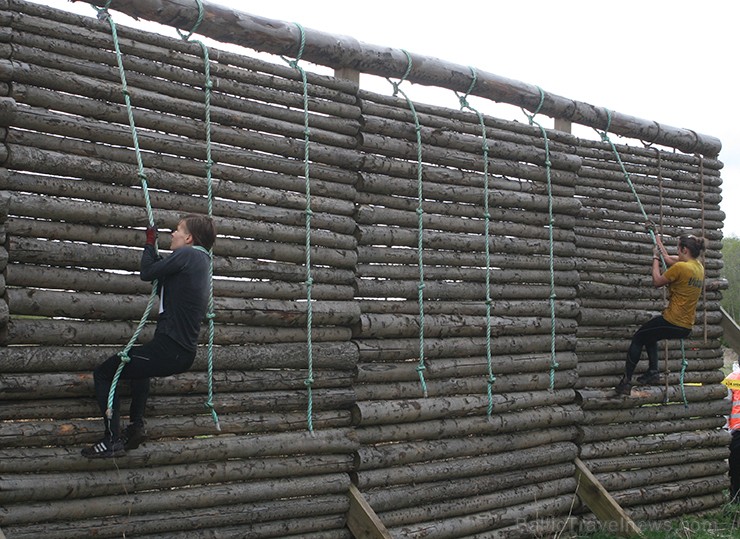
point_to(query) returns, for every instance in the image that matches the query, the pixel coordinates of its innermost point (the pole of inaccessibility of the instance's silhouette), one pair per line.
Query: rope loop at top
(409, 65)
(201, 15)
(530, 117)
(301, 47)
(464, 98)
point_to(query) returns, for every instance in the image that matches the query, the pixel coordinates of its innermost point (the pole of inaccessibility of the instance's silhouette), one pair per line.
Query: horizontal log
(38, 276)
(595, 399)
(673, 379)
(98, 306)
(555, 416)
(679, 508)
(380, 326)
(465, 467)
(402, 132)
(280, 400)
(195, 497)
(259, 515)
(483, 522)
(655, 443)
(664, 458)
(404, 349)
(27, 250)
(82, 431)
(634, 478)
(322, 48)
(387, 455)
(449, 368)
(396, 139)
(563, 309)
(58, 162)
(409, 495)
(677, 490)
(183, 451)
(143, 44)
(230, 138)
(380, 288)
(479, 274)
(437, 407)
(262, 203)
(607, 432)
(50, 486)
(326, 355)
(533, 258)
(603, 366)
(542, 381)
(407, 217)
(68, 332)
(21, 386)
(480, 503)
(182, 85)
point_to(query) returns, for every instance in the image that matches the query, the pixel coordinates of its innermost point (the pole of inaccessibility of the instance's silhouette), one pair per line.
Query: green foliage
(731, 272)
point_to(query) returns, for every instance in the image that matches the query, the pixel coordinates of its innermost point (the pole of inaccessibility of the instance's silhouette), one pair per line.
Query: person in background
(685, 281)
(733, 423)
(184, 290)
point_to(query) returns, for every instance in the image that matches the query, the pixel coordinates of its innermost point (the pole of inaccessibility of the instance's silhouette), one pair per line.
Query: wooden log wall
(651, 441)
(73, 213)
(71, 224)
(439, 465)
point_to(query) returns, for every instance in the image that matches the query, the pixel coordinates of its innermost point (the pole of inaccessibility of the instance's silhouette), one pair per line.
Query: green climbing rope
(605, 138)
(104, 15)
(421, 367)
(551, 221)
(486, 235)
(309, 278)
(211, 314)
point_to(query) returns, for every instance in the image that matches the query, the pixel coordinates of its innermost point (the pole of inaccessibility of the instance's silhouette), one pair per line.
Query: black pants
(657, 329)
(162, 356)
(734, 462)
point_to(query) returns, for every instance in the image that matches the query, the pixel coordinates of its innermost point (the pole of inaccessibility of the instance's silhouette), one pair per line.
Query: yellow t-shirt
(685, 287)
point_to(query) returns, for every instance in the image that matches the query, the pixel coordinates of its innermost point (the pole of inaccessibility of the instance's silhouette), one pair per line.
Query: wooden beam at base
(362, 520)
(601, 503)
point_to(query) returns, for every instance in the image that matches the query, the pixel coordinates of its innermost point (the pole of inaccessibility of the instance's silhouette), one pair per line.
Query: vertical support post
(346, 73)
(563, 125)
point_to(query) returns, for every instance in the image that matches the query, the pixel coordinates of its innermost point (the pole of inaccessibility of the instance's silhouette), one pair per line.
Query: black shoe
(624, 387)
(104, 449)
(132, 436)
(649, 378)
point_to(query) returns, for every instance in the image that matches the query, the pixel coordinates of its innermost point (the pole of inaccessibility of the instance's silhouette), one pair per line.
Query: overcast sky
(671, 61)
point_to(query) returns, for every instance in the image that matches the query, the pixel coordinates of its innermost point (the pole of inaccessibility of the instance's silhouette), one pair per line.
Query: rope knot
(491, 379)
(309, 282)
(553, 295)
(308, 382)
(309, 212)
(210, 316)
(421, 368)
(421, 287)
(419, 211)
(124, 356)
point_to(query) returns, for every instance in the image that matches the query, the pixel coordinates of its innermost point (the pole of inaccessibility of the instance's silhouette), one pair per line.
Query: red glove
(151, 235)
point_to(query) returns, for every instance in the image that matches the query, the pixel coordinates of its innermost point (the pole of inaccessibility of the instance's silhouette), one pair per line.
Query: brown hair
(692, 243)
(201, 228)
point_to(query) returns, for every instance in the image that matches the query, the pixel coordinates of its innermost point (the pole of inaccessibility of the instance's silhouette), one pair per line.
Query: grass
(723, 523)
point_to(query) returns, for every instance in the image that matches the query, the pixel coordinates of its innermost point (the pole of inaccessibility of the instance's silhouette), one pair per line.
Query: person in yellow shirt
(685, 281)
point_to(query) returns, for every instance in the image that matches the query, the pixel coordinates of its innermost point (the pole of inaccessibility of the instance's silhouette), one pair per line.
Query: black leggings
(162, 356)
(657, 329)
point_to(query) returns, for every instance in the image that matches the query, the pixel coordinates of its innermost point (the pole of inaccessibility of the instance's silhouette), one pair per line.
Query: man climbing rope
(685, 280)
(183, 289)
